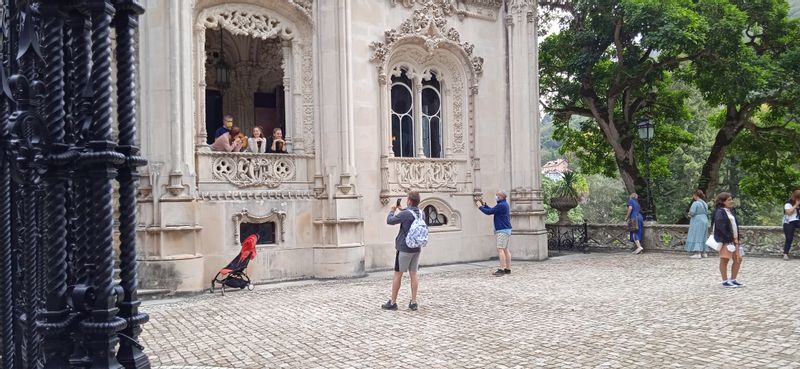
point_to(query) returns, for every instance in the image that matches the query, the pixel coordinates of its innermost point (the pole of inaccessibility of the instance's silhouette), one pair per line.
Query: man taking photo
(502, 230)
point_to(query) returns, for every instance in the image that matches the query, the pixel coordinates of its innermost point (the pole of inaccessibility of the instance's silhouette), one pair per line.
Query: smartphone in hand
(398, 203)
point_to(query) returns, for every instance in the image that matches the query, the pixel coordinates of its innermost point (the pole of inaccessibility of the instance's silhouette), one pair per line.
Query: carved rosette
(251, 171)
(426, 175)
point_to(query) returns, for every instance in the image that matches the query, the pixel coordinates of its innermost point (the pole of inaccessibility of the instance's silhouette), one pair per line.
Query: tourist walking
(411, 237)
(635, 222)
(502, 230)
(698, 227)
(726, 232)
(791, 219)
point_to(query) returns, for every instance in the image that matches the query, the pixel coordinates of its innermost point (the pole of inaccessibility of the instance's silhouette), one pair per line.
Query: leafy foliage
(572, 186)
(717, 76)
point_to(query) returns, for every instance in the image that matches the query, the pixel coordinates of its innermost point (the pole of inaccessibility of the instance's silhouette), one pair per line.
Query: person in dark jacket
(791, 221)
(276, 144)
(726, 232)
(406, 259)
(502, 230)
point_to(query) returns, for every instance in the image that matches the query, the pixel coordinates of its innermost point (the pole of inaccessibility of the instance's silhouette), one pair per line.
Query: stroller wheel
(250, 287)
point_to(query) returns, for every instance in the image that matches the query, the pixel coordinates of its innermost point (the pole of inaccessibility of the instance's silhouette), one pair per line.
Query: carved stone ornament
(305, 5)
(483, 9)
(429, 27)
(244, 216)
(247, 195)
(245, 21)
(521, 6)
(448, 7)
(426, 174)
(244, 170)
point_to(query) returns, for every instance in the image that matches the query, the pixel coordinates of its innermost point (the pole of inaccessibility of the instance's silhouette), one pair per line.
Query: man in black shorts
(406, 258)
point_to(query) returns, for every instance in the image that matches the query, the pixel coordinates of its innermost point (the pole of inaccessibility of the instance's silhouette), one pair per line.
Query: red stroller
(233, 275)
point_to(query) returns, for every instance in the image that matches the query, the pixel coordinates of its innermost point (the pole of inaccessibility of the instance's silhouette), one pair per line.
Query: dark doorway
(213, 114)
(265, 231)
(269, 111)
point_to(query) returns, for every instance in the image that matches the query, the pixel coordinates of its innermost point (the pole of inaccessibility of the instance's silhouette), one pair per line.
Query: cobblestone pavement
(597, 310)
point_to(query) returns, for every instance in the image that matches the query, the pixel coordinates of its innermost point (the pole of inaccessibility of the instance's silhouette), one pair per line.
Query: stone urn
(563, 205)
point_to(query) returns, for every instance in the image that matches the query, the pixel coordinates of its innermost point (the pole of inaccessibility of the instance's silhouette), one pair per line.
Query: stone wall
(757, 240)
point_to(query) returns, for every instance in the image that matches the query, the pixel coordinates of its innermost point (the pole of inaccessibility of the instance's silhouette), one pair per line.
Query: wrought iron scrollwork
(60, 306)
(573, 237)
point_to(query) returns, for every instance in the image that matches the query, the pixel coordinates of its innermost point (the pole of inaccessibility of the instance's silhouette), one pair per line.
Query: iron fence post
(101, 158)
(53, 327)
(126, 22)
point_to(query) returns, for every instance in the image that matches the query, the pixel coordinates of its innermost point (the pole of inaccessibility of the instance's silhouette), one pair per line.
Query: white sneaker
(695, 256)
(785, 256)
(705, 255)
(637, 251)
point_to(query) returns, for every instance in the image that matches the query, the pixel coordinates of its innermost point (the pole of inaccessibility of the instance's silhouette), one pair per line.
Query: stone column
(527, 213)
(173, 116)
(417, 81)
(338, 221)
(200, 140)
(386, 135)
(289, 85)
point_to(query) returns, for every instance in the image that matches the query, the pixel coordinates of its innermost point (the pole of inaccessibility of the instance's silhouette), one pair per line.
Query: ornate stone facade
(484, 9)
(331, 66)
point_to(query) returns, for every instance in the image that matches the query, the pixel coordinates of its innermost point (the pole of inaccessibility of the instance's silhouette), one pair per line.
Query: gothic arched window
(407, 122)
(402, 116)
(432, 118)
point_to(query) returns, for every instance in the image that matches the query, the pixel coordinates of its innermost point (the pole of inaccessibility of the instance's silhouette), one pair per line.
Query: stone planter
(563, 205)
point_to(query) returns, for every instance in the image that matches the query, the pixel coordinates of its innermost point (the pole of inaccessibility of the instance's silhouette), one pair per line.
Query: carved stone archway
(422, 44)
(286, 20)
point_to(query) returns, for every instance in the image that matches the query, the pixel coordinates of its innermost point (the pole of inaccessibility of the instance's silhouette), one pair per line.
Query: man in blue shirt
(227, 124)
(502, 230)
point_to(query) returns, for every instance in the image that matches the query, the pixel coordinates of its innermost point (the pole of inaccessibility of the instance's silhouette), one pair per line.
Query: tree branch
(618, 40)
(637, 79)
(570, 110)
(645, 55)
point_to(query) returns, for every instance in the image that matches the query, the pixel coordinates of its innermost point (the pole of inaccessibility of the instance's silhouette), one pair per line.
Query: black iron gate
(60, 305)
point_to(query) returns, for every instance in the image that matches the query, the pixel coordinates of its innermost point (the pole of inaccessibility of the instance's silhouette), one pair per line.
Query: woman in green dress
(698, 227)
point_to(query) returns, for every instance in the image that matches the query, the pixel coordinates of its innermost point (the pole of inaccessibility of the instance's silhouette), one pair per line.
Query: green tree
(616, 61)
(757, 72)
(612, 63)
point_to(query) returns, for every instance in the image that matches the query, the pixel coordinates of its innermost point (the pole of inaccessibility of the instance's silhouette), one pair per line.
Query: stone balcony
(225, 175)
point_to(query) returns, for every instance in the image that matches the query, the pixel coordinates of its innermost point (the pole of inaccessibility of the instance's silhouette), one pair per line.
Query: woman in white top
(791, 219)
(257, 143)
